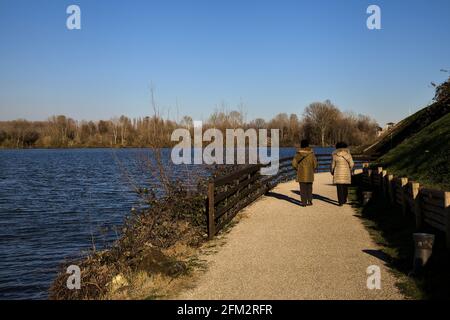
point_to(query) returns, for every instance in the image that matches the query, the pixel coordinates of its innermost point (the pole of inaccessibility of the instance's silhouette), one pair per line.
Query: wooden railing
(324, 161)
(429, 206)
(229, 194)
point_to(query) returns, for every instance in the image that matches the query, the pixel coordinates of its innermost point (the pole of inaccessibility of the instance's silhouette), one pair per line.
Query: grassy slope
(424, 157)
(408, 127)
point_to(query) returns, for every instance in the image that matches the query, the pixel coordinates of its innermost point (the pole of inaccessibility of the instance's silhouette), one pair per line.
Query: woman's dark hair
(340, 145)
(304, 143)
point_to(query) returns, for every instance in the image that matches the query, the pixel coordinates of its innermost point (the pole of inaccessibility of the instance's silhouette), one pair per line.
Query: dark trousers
(342, 193)
(306, 192)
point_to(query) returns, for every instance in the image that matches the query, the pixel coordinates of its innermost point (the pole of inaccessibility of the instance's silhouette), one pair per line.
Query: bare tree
(115, 129)
(322, 123)
(258, 123)
(321, 116)
(235, 119)
(187, 122)
(442, 90)
(294, 128)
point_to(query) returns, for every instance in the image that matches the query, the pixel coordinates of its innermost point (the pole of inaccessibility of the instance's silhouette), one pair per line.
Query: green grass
(408, 127)
(392, 231)
(425, 157)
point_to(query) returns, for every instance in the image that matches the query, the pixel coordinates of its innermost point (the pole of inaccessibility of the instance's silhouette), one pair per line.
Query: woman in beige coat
(341, 167)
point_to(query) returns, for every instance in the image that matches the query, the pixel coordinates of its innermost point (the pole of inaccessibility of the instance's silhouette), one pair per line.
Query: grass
(156, 247)
(408, 127)
(392, 231)
(143, 285)
(156, 254)
(425, 157)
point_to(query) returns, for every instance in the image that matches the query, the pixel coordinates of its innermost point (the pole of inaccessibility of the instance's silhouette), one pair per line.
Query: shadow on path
(283, 197)
(319, 197)
(325, 199)
(379, 255)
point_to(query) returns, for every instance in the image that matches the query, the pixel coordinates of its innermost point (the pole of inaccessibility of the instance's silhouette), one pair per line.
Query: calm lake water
(56, 203)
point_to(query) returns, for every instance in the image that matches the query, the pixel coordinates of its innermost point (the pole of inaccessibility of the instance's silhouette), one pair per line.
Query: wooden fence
(324, 162)
(229, 194)
(429, 206)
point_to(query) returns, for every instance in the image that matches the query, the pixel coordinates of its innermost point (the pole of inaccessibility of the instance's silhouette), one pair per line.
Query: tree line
(321, 122)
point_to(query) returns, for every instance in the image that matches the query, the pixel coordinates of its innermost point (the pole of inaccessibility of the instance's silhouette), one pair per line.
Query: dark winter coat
(305, 163)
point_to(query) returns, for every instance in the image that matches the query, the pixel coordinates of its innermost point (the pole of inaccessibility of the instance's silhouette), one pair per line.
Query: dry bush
(148, 247)
(175, 217)
(140, 247)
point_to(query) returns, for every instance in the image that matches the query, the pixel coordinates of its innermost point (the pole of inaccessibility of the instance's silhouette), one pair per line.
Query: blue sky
(274, 56)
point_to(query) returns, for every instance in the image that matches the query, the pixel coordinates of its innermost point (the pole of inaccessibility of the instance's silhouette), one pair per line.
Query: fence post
(389, 188)
(447, 211)
(383, 184)
(364, 175)
(403, 183)
(382, 174)
(415, 187)
(211, 222)
(375, 176)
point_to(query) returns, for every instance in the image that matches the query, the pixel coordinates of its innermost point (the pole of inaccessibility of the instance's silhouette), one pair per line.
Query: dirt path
(280, 250)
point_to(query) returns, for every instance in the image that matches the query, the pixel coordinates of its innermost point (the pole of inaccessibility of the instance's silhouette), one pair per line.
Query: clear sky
(274, 56)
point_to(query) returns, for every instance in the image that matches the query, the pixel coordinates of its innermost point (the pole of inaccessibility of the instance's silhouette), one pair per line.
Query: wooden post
(383, 184)
(211, 219)
(415, 187)
(382, 174)
(403, 183)
(362, 179)
(389, 187)
(377, 176)
(447, 211)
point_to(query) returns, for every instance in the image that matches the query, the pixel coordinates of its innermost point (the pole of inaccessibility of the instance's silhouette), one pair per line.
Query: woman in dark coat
(305, 163)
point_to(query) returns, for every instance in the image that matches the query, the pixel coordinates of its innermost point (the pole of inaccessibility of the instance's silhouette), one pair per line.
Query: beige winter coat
(341, 166)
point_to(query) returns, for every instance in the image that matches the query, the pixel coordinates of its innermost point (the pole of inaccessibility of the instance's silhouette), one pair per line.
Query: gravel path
(280, 250)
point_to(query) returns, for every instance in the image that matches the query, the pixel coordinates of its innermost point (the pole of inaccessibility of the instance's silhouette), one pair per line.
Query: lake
(58, 203)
